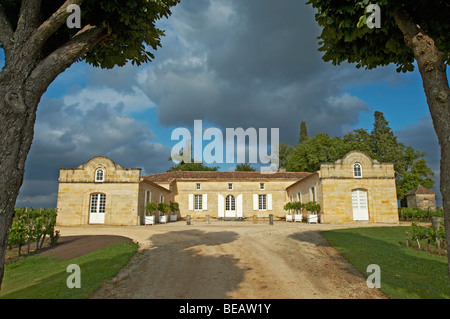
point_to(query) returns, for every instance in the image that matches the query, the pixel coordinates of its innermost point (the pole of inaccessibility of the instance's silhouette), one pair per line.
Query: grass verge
(37, 277)
(405, 272)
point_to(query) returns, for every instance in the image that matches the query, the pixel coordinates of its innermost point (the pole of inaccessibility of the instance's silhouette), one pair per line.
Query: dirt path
(240, 260)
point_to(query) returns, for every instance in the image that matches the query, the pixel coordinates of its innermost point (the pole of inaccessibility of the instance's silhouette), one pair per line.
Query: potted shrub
(298, 216)
(288, 207)
(163, 208)
(150, 208)
(313, 208)
(174, 208)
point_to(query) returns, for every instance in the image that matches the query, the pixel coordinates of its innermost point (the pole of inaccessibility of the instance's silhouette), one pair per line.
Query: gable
(112, 173)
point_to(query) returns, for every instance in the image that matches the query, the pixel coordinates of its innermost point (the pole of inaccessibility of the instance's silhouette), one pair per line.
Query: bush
(297, 206)
(312, 207)
(429, 234)
(32, 225)
(419, 214)
(151, 207)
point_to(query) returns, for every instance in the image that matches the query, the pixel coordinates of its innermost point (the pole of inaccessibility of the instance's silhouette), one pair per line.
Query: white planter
(163, 219)
(312, 218)
(149, 220)
(289, 218)
(298, 218)
(173, 218)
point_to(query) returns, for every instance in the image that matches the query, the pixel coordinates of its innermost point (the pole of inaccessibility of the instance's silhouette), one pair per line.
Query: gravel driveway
(231, 260)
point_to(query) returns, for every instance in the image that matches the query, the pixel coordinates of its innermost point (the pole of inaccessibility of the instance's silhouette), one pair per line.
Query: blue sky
(229, 63)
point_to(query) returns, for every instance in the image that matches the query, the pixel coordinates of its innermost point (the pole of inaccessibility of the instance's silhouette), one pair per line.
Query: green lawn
(37, 277)
(405, 272)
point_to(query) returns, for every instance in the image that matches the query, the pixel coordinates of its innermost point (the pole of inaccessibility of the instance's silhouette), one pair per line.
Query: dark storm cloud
(251, 64)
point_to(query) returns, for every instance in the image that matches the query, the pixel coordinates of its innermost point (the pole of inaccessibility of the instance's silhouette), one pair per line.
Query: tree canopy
(345, 36)
(192, 166)
(130, 24)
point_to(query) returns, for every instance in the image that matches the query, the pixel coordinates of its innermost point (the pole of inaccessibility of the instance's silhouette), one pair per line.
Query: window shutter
(239, 206)
(191, 201)
(255, 202)
(269, 201)
(205, 201)
(220, 205)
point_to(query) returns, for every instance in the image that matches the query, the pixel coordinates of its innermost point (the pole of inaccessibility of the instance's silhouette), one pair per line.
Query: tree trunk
(432, 68)
(26, 76)
(17, 118)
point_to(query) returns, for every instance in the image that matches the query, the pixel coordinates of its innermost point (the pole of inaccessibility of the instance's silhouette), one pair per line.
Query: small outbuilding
(421, 197)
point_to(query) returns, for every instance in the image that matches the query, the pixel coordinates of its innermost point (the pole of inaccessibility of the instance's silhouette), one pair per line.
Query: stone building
(421, 197)
(102, 192)
(355, 188)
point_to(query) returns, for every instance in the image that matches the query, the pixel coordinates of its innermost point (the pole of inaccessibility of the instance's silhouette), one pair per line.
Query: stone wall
(423, 201)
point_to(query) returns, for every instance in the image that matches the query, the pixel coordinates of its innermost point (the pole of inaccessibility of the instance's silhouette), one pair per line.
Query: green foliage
(429, 234)
(132, 25)
(182, 166)
(419, 214)
(308, 156)
(303, 137)
(174, 207)
(163, 208)
(312, 207)
(32, 225)
(345, 37)
(151, 207)
(244, 167)
(284, 151)
(297, 206)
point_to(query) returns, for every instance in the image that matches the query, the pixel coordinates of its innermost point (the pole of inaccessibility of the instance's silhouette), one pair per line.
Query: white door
(230, 206)
(97, 209)
(359, 203)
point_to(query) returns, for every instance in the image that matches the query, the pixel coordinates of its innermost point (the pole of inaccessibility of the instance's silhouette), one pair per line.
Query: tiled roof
(420, 190)
(215, 175)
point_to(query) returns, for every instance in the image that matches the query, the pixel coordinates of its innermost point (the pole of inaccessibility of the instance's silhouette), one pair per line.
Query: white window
(198, 186)
(161, 198)
(262, 202)
(230, 186)
(99, 175)
(357, 170)
(198, 202)
(261, 186)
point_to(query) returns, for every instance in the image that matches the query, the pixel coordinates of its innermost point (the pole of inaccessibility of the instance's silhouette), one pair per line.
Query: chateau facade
(355, 188)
